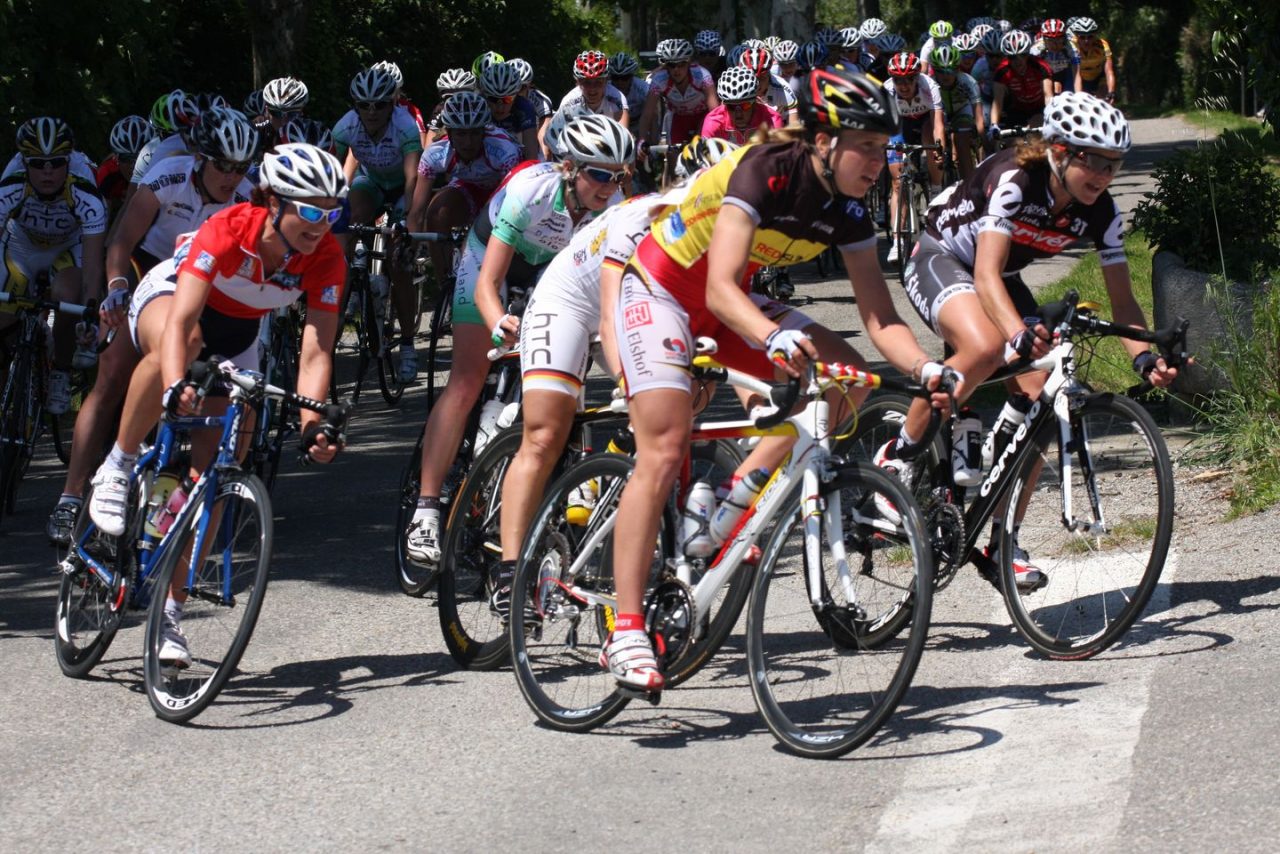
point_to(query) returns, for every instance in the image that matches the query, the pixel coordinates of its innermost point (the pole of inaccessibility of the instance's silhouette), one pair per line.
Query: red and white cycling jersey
(224, 252)
(498, 156)
(1026, 90)
(690, 100)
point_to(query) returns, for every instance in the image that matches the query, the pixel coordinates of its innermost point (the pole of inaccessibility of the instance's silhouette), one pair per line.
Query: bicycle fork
(1073, 439)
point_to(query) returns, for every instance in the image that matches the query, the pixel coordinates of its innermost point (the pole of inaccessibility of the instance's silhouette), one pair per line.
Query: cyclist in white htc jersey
(381, 145)
(531, 218)
(51, 222)
(176, 197)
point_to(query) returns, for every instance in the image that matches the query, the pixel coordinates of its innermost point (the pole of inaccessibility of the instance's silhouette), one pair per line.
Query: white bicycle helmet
(738, 83)
(599, 140)
(849, 38)
(980, 32)
(523, 69)
(455, 80)
(465, 110)
(674, 50)
(787, 51)
(1015, 43)
(393, 71)
(296, 170)
(225, 134)
(1080, 119)
(45, 136)
(373, 84)
(873, 28)
(285, 94)
(499, 81)
(1084, 25)
(130, 134)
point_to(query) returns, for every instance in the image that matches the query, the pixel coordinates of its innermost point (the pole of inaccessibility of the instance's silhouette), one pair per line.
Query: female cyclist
(740, 113)
(780, 203)
(1019, 205)
(531, 218)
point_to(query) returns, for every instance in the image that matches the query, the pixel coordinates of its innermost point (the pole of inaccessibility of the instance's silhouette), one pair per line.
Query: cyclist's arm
(411, 173)
(1046, 86)
(625, 118)
(349, 165)
(991, 257)
(419, 202)
(1079, 81)
(939, 131)
(529, 142)
(315, 363)
(712, 100)
(727, 259)
(493, 270)
(1110, 68)
(650, 112)
(998, 91)
(184, 318)
(1125, 310)
(138, 215)
(886, 328)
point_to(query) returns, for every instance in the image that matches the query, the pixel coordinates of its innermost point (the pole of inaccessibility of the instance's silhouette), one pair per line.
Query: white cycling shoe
(629, 657)
(109, 506)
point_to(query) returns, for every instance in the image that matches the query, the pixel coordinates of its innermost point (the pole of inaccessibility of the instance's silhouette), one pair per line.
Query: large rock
(1180, 292)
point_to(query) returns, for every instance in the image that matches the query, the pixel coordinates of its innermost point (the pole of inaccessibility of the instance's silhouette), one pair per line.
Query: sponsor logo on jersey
(676, 349)
(204, 262)
(1040, 240)
(598, 241)
(580, 257)
(778, 183)
(965, 208)
(329, 296)
(637, 315)
(854, 209)
(247, 266)
(673, 227)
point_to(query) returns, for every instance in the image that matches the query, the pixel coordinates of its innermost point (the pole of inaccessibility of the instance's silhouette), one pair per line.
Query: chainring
(670, 616)
(945, 524)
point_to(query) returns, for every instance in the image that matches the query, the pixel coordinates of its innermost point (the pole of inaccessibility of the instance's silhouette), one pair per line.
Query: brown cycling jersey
(1003, 197)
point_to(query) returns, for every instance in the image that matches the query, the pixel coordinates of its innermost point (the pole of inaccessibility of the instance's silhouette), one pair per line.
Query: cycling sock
(119, 460)
(628, 623)
(905, 439)
(172, 608)
(67, 498)
(428, 502)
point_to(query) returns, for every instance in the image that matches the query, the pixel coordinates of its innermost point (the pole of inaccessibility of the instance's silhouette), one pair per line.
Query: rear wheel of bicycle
(222, 606)
(16, 429)
(820, 687)
(470, 554)
(415, 579)
(1101, 575)
(440, 343)
(556, 636)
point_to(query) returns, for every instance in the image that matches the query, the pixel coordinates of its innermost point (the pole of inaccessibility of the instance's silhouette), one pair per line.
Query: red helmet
(904, 64)
(1053, 28)
(758, 59)
(590, 65)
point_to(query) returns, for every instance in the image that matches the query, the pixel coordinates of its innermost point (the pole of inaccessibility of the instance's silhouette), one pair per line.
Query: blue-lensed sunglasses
(313, 214)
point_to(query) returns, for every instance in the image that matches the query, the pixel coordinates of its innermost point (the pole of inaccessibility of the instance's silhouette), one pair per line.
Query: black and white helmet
(738, 83)
(1080, 119)
(373, 84)
(225, 134)
(1084, 25)
(456, 80)
(848, 38)
(872, 28)
(674, 50)
(787, 51)
(465, 110)
(285, 94)
(130, 134)
(499, 80)
(597, 140)
(296, 170)
(393, 71)
(623, 65)
(1015, 43)
(523, 69)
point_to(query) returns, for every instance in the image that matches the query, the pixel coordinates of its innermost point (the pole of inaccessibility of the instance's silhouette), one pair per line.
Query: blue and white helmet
(296, 170)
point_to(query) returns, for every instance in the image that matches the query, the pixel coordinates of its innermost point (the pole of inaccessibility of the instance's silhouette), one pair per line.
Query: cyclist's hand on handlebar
(993, 131)
(936, 155)
(113, 310)
(1153, 368)
(319, 443)
(504, 331)
(182, 398)
(790, 349)
(1032, 342)
(944, 381)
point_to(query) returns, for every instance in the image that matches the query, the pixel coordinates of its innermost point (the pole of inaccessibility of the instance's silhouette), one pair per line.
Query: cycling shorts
(222, 335)
(468, 271)
(961, 120)
(912, 134)
(934, 276)
(656, 339)
(475, 194)
(1094, 86)
(391, 199)
(23, 262)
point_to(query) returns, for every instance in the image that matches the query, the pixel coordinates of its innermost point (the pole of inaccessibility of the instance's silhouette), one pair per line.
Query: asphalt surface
(350, 728)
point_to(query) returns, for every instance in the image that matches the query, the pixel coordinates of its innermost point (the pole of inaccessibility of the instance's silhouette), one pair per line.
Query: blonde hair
(1032, 150)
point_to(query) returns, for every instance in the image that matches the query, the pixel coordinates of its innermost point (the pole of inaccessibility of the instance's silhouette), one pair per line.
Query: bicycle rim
(1099, 580)
(218, 627)
(414, 578)
(821, 690)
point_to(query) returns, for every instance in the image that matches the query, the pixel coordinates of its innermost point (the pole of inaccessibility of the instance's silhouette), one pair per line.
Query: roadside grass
(1251, 132)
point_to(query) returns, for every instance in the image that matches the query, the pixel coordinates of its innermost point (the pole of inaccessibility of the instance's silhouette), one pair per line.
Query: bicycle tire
(414, 579)
(470, 552)
(1098, 585)
(560, 677)
(388, 361)
(788, 648)
(178, 695)
(61, 448)
(14, 429)
(440, 353)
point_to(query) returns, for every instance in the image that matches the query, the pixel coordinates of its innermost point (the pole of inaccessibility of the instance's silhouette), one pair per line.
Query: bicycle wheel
(16, 433)
(821, 689)
(440, 345)
(414, 578)
(231, 557)
(556, 636)
(388, 359)
(1100, 575)
(470, 553)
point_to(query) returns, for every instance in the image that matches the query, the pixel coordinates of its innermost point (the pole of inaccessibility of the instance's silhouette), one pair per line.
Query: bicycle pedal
(652, 697)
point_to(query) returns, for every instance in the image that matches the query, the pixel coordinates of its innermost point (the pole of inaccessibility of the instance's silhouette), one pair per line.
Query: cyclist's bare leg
(895, 188)
(964, 152)
(449, 209)
(142, 407)
(660, 418)
(115, 367)
(548, 417)
(448, 417)
(403, 296)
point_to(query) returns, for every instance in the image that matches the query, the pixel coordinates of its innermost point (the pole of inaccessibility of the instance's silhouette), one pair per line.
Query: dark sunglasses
(283, 114)
(504, 99)
(681, 64)
(1097, 163)
(604, 176)
(623, 79)
(313, 214)
(739, 105)
(372, 106)
(231, 167)
(46, 162)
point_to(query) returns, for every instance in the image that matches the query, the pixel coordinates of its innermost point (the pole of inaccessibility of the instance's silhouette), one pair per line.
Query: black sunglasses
(46, 162)
(230, 167)
(369, 106)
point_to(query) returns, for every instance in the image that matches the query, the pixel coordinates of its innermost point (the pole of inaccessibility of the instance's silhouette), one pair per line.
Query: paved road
(350, 728)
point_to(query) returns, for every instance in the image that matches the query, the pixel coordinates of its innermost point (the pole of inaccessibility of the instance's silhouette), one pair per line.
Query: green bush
(1217, 207)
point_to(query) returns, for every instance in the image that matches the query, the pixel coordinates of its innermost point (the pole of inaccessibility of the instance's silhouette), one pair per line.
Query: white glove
(781, 343)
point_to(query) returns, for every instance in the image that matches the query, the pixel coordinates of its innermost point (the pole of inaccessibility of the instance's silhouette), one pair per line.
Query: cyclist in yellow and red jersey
(1097, 70)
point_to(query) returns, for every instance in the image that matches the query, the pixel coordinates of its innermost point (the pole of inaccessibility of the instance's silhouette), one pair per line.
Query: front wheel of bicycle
(820, 687)
(1102, 559)
(228, 542)
(470, 553)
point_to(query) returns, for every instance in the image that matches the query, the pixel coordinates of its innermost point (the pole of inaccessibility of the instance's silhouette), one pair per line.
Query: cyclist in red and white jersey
(769, 89)
(919, 102)
(594, 91)
(740, 112)
(1021, 85)
(686, 90)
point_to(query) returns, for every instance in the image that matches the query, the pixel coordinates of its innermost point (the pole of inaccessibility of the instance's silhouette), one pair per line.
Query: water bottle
(165, 484)
(695, 538)
(163, 518)
(740, 497)
(509, 414)
(966, 448)
(488, 427)
(1007, 423)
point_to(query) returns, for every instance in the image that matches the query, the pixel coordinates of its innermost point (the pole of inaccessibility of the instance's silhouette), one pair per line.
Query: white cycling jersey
(780, 96)
(80, 166)
(59, 222)
(613, 104)
(926, 99)
(157, 149)
(382, 160)
(499, 156)
(692, 98)
(182, 208)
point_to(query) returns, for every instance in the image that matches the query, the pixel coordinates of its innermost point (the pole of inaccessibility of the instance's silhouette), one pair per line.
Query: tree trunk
(278, 29)
(792, 19)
